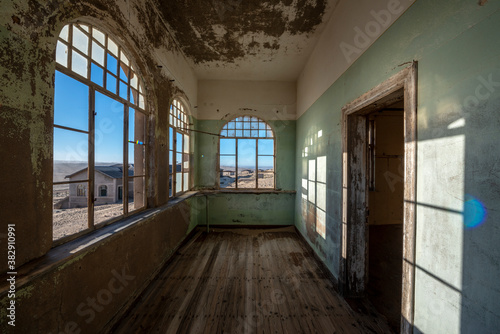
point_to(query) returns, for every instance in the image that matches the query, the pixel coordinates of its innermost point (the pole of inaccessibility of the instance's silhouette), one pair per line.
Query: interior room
(229, 166)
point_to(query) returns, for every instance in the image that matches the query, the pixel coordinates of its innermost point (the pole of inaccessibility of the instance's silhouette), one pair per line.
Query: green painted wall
(457, 46)
(255, 209)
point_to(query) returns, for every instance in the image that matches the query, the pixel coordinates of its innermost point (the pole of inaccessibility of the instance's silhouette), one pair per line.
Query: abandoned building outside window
(99, 132)
(178, 138)
(247, 154)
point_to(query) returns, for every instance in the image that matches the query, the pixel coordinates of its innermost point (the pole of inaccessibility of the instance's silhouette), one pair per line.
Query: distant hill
(64, 168)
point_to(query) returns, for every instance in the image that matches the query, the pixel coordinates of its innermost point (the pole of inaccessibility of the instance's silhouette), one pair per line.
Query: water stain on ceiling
(228, 30)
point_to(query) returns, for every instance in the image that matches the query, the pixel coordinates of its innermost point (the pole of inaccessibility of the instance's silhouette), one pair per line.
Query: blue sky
(71, 110)
(246, 152)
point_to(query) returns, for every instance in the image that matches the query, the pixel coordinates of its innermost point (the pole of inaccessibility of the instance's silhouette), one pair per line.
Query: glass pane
(70, 154)
(170, 185)
(254, 133)
(109, 133)
(62, 54)
(111, 83)
(186, 144)
(227, 146)
(179, 142)
(112, 64)
(133, 95)
(136, 159)
(246, 126)
(142, 102)
(123, 90)
(239, 133)
(110, 206)
(99, 36)
(178, 162)
(171, 138)
(97, 53)
(178, 180)
(123, 72)
(247, 149)
(64, 33)
(231, 125)
(137, 125)
(97, 74)
(133, 80)
(79, 64)
(136, 198)
(254, 126)
(185, 162)
(124, 58)
(266, 163)
(170, 161)
(266, 146)
(246, 133)
(84, 27)
(227, 171)
(186, 181)
(266, 180)
(80, 40)
(71, 103)
(112, 47)
(70, 211)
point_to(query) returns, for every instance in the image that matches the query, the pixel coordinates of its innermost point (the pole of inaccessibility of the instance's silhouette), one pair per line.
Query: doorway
(369, 207)
(385, 211)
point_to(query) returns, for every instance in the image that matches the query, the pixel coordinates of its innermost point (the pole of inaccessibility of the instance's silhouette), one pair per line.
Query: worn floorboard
(245, 281)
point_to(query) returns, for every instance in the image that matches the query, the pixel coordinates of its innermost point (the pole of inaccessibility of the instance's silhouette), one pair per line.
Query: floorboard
(245, 281)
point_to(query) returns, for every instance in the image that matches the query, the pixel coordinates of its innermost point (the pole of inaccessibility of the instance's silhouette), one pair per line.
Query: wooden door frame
(401, 86)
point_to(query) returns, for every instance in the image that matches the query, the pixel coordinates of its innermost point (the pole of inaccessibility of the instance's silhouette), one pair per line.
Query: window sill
(64, 253)
(247, 191)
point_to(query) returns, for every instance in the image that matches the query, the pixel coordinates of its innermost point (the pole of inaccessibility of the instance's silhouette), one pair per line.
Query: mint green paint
(457, 46)
(251, 209)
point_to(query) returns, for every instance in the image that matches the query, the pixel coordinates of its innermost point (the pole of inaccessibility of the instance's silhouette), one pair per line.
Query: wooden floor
(245, 281)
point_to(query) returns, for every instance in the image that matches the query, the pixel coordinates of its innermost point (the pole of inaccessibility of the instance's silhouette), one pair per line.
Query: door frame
(354, 262)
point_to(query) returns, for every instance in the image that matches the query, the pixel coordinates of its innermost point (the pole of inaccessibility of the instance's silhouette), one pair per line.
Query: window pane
(228, 146)
(71, 103)
(247, 149)
(64, 33)
(123, 90)
(133, 80)
(112, 47)
(266, 180)
(97, 74)
(266, 163)
(124, 72)
(98, 35)
(186, 181)
(178, 162)
(227, 172)
(171, 138)
(110, 206)
(179, 142)
(136, 198)
(170, 186)
(266, 146)
(178, 180)
(186, 144)
(62, 54)
(185, 162)
(137, 125)
(97, 53)
(108, 131)
(124, 58)
(170, 161)
(136, 157)
(112, 64)
(70, 211)
(79, 64)
(80, 40)
(70, 153)
(111, 83)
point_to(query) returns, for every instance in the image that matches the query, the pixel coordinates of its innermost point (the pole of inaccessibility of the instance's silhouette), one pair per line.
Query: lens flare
(474, 212)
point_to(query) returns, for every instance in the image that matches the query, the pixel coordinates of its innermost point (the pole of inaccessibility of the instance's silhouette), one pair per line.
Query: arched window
(247, 154)
(99, 124)
(103, 191)
(178, 149)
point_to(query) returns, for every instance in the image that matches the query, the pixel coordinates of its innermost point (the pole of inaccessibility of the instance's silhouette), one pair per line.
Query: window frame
(237, 138)
(178, 107)
(135, 89)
